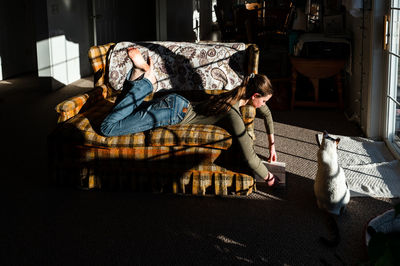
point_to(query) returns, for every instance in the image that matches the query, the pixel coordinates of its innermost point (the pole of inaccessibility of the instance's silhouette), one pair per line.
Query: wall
(26, 25)
(51, 38)
(69, 38)
(179, 20)
(367, 83)
(161, 20)
(17, 35)
(206, 10)
(375, 118)
(368, 79)
(356, 92)
(125, 20)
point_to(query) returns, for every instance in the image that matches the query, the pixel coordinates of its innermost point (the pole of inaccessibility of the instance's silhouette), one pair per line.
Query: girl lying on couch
(131, 114)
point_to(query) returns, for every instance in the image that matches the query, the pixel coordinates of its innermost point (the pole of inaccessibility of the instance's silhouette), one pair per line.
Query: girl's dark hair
(223, 102)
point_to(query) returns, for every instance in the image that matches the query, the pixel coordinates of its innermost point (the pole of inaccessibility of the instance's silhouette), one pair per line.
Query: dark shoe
(272, 180)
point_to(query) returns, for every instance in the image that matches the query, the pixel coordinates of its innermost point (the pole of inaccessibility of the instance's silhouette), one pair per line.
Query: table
(316, 69)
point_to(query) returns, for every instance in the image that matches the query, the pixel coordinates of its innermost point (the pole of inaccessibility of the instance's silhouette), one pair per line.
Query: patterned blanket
(183, 66)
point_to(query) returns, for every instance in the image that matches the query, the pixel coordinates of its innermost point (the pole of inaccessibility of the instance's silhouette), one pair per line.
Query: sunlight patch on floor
(227, 240)
(259, 193)
(244, 259)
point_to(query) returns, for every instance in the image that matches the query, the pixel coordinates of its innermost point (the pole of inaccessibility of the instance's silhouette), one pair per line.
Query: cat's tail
(333, 228)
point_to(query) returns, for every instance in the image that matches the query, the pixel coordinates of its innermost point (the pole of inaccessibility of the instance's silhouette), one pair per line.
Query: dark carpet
(46, 225)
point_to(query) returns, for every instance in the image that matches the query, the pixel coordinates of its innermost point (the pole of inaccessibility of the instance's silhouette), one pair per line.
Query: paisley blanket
(182, 65)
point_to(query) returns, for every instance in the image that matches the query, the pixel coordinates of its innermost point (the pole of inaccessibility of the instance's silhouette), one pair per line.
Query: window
(392, 24)
(214, 16)
(196, 19)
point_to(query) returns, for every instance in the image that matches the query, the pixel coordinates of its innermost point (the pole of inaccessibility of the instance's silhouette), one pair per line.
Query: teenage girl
(131, 114)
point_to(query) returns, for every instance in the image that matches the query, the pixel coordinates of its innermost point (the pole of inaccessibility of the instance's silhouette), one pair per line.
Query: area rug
(370, 168)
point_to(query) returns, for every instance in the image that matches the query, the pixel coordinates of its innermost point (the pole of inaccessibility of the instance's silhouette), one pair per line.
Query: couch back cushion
(182, 65)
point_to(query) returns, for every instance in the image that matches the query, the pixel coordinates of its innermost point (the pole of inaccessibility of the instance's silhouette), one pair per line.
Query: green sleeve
(238, 130)
(265, 113)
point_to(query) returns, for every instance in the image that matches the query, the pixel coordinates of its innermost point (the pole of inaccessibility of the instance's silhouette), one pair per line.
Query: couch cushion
(83, 129)
(182, 65)
(191, 135)
(169, 156)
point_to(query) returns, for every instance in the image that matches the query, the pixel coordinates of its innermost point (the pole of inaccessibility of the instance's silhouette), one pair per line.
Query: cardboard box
(276, 168)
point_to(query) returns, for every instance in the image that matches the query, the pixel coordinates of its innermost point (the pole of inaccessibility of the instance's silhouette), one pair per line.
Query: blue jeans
(131, 114)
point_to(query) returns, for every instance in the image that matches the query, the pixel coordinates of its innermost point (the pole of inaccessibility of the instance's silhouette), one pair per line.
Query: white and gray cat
(330, 186)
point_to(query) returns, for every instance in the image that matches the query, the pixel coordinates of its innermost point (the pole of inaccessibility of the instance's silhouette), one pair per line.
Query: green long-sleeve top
(232, 122)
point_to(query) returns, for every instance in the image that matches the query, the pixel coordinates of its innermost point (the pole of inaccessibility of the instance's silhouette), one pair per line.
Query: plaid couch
(188, 159)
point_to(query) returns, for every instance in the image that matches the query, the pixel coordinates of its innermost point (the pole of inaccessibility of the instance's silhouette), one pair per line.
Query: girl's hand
(272, 153)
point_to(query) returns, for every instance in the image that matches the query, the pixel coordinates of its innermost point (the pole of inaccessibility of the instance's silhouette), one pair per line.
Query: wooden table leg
(294, 80)
(315, 83)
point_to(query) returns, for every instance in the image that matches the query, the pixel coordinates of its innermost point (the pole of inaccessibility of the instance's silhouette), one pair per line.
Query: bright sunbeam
(214, 16)
(196, 25)
(58, 58)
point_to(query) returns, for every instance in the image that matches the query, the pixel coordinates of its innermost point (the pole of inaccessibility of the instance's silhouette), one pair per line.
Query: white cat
(330, 185)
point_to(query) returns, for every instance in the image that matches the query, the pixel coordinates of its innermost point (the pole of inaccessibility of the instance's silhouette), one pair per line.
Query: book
(276, 168)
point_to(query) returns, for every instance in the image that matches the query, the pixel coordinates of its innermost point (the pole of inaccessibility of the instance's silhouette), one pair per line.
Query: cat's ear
(318, 140)
(337, 141)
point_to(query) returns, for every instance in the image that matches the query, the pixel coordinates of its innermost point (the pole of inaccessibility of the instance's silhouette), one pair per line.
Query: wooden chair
(275, 24)
(247, 19)
(257, 7)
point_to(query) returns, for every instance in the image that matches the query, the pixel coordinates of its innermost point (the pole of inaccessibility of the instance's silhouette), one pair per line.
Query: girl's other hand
(272, 154)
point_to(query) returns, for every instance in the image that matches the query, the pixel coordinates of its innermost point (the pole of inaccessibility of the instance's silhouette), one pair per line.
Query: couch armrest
(98, 59)
(249, 114)
(253, 54)
(72, 106)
